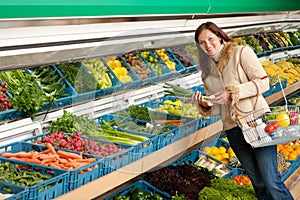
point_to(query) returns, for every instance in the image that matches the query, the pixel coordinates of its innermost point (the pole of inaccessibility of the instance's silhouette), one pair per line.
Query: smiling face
(209, 42)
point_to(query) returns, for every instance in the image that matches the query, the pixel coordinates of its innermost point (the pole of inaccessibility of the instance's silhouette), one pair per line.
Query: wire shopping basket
(279, 126)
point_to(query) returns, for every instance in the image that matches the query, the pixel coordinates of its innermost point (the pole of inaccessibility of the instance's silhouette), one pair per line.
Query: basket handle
(283, 94)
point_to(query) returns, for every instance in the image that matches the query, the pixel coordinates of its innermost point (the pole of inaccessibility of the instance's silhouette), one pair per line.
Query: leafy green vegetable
(139, 112)
(174, 90)
(178, 197)
(73, 124)
(27, 96)
(227, 189)
(81, 80)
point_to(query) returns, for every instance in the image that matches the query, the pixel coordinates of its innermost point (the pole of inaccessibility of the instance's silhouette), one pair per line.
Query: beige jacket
(239, 71)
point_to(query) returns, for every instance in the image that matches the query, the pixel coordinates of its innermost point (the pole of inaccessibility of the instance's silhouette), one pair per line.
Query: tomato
(275, 124)
(269, 128)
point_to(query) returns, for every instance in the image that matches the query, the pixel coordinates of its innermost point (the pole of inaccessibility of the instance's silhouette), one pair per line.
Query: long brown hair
(203, 59)
(215, 30)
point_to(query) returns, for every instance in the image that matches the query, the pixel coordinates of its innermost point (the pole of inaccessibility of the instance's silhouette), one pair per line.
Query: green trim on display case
(93, 8)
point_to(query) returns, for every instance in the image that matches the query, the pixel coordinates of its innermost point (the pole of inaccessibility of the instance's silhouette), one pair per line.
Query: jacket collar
(225, 56)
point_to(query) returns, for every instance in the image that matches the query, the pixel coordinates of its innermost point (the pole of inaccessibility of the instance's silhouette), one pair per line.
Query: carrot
(55, 165)
(62, 160)
(68, 154)
(31, 160)
(7, 155)
(47, 156)
(45, 151)
(87, 160)
(50, 147)
(47, 160)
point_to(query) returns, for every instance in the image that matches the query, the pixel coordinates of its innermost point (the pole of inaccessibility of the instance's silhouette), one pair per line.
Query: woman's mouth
(210, 50)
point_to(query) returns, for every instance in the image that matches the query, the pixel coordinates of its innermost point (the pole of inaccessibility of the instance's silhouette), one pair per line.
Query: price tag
(294, 53)
(278, 56)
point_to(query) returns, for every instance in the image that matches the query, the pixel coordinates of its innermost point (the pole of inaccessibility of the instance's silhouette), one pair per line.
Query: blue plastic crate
(18, 192)
(235, 172)
(151, 79)
(110, 162)
(69, 91)
(168, 137)
(193, 156)
(166, 73)
(206, 121)
(183, 69)
(267, 93)
(136, 81)
(214, 142)
(145, 186)
(186, 103)
(97, 93)
(277, 87)
(188, 125)
(178, 66)
(108, 117)
(116, 84)
(49, 189)
(12, 113)
(199, 88)
(294, 165)
(75, 177)
(164, 139)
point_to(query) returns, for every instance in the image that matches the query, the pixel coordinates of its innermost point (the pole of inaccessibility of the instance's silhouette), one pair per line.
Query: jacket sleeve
(258, 80)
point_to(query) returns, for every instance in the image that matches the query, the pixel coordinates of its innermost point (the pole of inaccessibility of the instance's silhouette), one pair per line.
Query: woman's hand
(220, 97)
(197, 97)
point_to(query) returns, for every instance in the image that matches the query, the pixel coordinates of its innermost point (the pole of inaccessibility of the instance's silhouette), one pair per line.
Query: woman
(235, 80)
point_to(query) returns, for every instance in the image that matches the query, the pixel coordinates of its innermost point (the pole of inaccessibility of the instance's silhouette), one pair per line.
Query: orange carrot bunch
(50, 157)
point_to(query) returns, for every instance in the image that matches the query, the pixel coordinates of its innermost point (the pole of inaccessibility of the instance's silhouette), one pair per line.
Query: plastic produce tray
(136, 81)
(143, 148)
(193, 156)
(108, 117)
(145, 186)
(275, 88)
(19, 192)
(199, 88)
(206, 121)
(179, 67)
(152, 77)
(188, 125)
(12, 113)
(166, 72)
(75, 178)
(235, 172)
(96, 93)
(164, 139)
(49, 189)
(184, 70)
(62, 101)
(294, 165)
(110, 162)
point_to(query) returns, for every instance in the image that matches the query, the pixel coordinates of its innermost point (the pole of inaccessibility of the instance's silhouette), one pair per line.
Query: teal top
(96, 8)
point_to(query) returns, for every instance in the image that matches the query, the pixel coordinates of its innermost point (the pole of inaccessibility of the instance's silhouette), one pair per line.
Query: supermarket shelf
(143, 165)
(278, 96)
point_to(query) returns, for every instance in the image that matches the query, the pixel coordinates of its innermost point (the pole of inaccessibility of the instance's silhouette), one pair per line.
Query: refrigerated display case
(31, 42)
